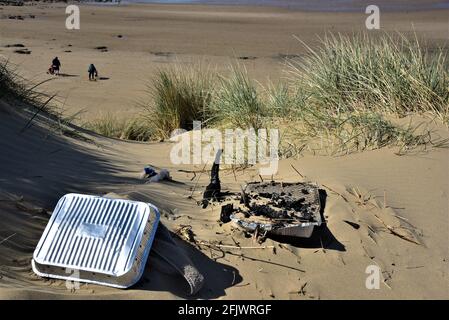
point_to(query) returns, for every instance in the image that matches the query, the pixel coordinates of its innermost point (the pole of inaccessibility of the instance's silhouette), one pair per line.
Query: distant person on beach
(55, 65)
(93, 73)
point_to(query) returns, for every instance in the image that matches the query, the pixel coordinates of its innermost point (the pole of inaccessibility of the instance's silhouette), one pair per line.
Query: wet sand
(321, 5)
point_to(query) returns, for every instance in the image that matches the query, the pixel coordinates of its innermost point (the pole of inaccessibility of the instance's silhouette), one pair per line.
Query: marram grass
(343, 96)
(389, 74)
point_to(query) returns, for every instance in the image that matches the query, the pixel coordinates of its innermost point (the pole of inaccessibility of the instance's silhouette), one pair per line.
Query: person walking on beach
(55, 65)
(92, 72)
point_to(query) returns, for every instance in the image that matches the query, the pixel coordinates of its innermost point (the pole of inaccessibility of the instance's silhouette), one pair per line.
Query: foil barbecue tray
(96, 240)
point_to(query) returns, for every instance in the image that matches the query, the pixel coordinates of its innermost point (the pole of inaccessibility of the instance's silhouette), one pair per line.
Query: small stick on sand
(243, 285)
(322, 247)
(245, 199)
(344, 198)
(371, 237)
(370, 228)
(190, 171)
(235, 242)
(297, 171)
(302, 288)
(241, 255)
(233, 172)
(392, 231)
(232, 247)
(398, 216)
(191, 195)
(300, 291)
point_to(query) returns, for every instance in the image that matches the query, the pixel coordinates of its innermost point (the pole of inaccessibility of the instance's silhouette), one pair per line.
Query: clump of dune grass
(9, 81)
(138, 129)
(346, 133)
(389, 74)
(12, 86)
(107, 125)
(280, 101)
(16, 89)
(121, 128)
(112, 126)
(346, 93)
(178, 96)
(236, 101)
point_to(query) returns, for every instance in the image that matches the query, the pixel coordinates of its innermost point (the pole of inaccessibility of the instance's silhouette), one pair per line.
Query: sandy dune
(408, 193)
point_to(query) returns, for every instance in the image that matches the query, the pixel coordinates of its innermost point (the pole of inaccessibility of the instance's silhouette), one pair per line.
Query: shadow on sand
(218, 276)
(42, 164)
(67, 75)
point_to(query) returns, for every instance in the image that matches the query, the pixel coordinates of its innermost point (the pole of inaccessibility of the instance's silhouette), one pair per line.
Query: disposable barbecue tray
(96, 240)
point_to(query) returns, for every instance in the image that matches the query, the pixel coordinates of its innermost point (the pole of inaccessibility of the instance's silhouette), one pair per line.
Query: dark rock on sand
(16, 45)
(102, 48)
(161, 53)
(16, 17)
(22, 51)
(247, 58)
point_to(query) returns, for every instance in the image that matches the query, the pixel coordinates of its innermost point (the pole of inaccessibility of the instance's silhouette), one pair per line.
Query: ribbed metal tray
(97, 240)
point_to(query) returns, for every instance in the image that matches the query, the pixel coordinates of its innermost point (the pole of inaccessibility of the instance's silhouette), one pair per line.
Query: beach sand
(155, 36)
(408, 194)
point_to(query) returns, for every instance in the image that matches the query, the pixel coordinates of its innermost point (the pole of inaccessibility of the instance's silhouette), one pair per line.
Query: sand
(155, 36)
(408, 194)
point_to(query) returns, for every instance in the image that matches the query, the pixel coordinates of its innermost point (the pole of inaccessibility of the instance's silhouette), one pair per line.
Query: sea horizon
(316, 5)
